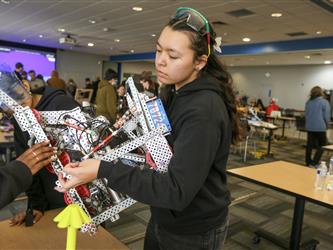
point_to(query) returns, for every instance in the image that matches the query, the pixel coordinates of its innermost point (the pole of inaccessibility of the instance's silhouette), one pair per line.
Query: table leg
(270, 137)
(283, 126)
(296, 230)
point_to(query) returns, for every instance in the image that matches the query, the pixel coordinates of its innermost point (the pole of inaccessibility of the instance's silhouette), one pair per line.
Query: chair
(83, 95)
(289, 113)
(300, 125)
(246, 133)
(276, 114)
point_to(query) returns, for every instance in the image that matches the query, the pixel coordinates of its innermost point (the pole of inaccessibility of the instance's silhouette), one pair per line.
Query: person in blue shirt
(317, 116)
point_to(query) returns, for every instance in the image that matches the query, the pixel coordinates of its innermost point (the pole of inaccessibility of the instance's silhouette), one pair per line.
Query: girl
(189, 203)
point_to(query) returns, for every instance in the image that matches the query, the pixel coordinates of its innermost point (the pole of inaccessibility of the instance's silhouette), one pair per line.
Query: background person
(317, 116)
(55, 81)
(106, 99)
(41, 194)
(18, 70)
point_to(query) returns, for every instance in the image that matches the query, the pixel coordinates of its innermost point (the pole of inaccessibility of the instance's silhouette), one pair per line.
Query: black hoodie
(15, 178)
(192, 197)
(41, 194)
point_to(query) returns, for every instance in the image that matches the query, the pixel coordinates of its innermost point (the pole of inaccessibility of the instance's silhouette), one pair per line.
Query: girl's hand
(82, 173)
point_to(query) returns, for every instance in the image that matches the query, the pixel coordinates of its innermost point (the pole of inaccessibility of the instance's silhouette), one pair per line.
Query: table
(271, 127)
(328, 147)
(284, 119)
(46, 235)
(292, 179)
(7, 142)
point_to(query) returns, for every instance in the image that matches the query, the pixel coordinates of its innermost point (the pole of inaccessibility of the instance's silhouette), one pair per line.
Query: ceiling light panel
(276, 14)
(137, 8)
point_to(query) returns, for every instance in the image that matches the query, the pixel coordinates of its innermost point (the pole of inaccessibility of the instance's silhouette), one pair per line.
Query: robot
(77, 136)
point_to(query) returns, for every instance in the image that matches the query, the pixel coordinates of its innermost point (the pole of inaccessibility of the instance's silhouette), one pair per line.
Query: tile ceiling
(28, 19)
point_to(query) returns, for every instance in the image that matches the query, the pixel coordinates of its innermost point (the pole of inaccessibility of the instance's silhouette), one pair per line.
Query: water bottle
(321, 176)
(330, 175)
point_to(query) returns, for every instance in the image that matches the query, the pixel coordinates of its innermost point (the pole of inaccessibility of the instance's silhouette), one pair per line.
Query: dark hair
(110, 74)
(146, 76)
(316, 92)
(39, 76)
(213, 68)
(87, 79)
(260, 104)
(32, 71)
(18, 65)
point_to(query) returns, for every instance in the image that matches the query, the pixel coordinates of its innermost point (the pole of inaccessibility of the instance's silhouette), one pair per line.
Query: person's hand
(19, 218)
(82, 173)
(38, 156)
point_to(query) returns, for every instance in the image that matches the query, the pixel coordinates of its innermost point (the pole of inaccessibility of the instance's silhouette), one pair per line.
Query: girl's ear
(200, 62)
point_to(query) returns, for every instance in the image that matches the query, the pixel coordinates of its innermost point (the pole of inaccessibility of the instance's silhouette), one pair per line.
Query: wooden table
(328, 147)
(46, 235)
(292, 179)
(284, 119)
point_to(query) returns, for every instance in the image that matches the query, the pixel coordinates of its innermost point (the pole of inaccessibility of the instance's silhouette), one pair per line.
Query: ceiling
(26, 21)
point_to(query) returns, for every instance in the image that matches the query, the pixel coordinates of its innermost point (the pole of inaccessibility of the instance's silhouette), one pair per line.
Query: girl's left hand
(82, 173)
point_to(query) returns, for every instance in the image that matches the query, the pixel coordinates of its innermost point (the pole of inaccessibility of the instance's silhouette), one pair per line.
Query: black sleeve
(194, 153)
(15, 178)
(64, 102)
(36, 195)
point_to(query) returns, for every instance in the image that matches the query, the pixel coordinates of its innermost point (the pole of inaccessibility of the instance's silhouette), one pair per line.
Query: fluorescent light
(24, 40)
(153, 35)
(117, 40)
(136, 8)
(246, 39)
(61, 30)
(327, 62)
(91, 44)
(51, 58)
(318, 32)
(4, 49)
(277, 14)
(5, 1)
(132, 50)
(92, 21)
(307, 57)
(41, 36)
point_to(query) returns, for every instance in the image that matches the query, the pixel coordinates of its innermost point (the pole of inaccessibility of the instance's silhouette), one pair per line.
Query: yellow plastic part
(72, 218)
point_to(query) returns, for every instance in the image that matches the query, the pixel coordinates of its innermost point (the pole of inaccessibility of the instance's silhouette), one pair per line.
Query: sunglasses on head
(196, 21)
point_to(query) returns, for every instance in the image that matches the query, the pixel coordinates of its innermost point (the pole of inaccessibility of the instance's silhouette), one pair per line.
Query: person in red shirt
(272, 107)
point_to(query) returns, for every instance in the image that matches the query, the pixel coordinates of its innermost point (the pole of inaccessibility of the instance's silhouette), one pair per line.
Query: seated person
(272, 107)
(41, 194)
(259, 105)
